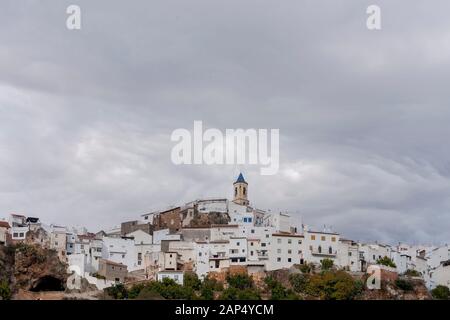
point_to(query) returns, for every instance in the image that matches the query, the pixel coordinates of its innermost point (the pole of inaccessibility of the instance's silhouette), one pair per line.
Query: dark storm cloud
(86, 115)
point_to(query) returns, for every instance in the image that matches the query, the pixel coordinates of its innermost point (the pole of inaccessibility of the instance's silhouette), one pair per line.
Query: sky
(86, 115)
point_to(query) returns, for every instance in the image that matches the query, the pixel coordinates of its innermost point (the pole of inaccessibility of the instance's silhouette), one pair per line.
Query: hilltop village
(213, 237)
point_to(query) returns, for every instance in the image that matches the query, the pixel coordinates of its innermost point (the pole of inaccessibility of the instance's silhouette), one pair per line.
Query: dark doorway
(48, 283)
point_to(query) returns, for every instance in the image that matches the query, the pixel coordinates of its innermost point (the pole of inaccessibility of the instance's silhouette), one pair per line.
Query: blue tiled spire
(240, 179)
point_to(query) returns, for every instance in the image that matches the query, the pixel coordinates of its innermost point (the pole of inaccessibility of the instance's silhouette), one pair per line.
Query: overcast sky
(86, 116)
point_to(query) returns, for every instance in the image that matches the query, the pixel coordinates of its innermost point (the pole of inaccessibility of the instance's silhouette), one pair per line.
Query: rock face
(32, 268)
(38, 269)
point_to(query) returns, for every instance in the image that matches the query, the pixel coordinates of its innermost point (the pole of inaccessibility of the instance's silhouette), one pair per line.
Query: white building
(320, 245)
(285, 250)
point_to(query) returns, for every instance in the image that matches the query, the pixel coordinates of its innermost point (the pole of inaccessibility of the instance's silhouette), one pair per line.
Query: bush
(305, 268)
(298, 282)
(117, 291)
(191, 280)
(208, 287)
(385, 261)
(404, 285)
(412, 273)
(337, 285)
(278, 292)
(5, 291)
(326, 264)
(240, 281)
(441, 292)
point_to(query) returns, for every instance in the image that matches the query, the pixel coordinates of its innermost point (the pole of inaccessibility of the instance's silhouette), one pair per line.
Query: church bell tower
(241, 191)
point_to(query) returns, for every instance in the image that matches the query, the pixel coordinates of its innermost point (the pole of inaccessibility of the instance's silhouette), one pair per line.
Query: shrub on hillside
(326, 264)
(330, 285)
(441, 293)
(386, 261)
(404, 285)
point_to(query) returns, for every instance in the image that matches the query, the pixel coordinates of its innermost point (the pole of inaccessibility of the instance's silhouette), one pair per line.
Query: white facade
(320, 245)
(120, 250)
(285, 250)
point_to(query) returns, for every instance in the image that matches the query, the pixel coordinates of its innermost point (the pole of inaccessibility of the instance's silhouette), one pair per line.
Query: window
(235, 192)
(289, 241)
(319, 249)
(310, 248)
(253, 231)
(349, 254)
(289, 260)
(244, 191)
(330, 250)
(21, 234)
(333, 239)
(15, 234)
(263, 244)
(139, 256)
(299, 241)
(313, 237)
(278, 250)
(267, 235)
(123, 256)
(238, 244)
(251, 253)
(278, 240)
(323, 238)
(278, 259)
(289, 251)
(251, 244)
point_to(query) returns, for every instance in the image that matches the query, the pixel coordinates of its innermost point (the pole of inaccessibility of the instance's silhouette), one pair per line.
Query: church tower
(241, 191)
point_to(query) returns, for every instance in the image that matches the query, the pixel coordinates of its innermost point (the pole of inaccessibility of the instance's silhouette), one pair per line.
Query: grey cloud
(86, 116)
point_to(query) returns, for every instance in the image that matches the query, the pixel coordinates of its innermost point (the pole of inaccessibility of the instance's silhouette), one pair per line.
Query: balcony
(324, 253)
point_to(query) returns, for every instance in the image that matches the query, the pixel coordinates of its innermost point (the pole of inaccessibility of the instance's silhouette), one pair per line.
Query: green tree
(278, 291)
(386, 261)
(191, 280)
(298, 282)
(330, 285)
(326, 264)
(441, 293)
(240, 281)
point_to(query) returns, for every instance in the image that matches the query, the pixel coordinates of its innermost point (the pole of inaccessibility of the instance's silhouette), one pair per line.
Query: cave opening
(48, 283)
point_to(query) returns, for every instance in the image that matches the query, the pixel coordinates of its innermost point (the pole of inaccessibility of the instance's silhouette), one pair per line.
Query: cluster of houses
(212, 237)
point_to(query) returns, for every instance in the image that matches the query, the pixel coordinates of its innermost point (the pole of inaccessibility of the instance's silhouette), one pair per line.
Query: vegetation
(298, 282)
(240, 287)
(404, 285)
(386, 261)
(306, 268)
(412, 273)
(5, 291)
(117, 291)
(278, 291)
(441, 293)
(326, 264)
(333, 285)
(192, 281)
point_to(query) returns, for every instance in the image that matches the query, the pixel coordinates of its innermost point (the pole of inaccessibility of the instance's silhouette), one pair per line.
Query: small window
(333, 239)
(299, 241)
(289, 260)
(278, 259)
(313, 237)
(278, 240)
(289, 241)
(278, 250)
(323, 238)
